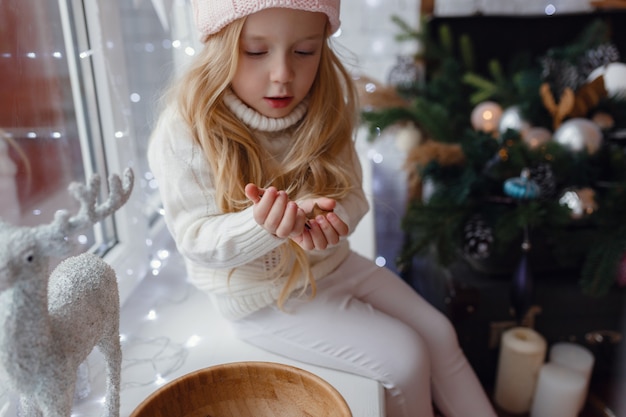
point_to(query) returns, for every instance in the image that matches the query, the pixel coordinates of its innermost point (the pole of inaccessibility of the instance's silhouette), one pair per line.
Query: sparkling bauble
(534, 137)
(486, 116)
(614, 78)
(512, 119)
(406, 73)
(579, 135)
(580, 201)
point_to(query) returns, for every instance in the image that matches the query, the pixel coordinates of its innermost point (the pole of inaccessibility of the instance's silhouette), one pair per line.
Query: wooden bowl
(246, 389)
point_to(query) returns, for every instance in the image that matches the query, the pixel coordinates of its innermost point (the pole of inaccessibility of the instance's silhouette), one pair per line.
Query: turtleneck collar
(257, 121)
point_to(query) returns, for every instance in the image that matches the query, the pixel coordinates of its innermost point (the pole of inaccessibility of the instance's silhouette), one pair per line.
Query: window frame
(90, 34)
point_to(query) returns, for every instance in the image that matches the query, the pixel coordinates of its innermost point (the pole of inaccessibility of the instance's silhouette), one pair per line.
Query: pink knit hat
(212, 15)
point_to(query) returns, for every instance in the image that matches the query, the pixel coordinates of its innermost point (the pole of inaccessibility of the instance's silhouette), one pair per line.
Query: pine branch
(602, 263)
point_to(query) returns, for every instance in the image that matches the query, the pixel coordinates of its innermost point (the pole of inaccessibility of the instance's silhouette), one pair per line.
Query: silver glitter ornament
(579, 135)
(581, 201)
(52, 322)
(512, 119)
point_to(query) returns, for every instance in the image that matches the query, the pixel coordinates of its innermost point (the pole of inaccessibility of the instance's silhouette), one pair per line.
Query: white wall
(368, 33)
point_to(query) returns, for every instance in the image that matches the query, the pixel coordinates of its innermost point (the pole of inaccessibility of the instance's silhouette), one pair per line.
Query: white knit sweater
(228, 255)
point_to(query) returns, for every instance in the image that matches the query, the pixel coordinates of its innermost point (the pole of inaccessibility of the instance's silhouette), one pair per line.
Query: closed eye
(255, 53)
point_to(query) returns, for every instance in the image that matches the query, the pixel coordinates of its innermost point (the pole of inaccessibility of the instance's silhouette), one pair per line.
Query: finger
(317, 235)
(301, 222)
(253, 192)
(331, 235)
(326, 203)
(276, 212)
(288, 222)
(305, 219)
(263, 207)
(304, 240)
(339, 225)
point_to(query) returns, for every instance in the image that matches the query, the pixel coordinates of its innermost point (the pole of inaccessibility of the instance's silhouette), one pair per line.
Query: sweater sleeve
(201, 231)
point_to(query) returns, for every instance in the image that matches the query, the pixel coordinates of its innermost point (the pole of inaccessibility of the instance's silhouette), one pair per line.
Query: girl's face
(279, 54)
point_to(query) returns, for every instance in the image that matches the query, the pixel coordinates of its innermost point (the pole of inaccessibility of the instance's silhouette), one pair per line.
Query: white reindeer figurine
(48, 326)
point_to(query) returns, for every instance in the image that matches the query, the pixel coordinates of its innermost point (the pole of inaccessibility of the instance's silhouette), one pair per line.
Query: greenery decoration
(440, 107)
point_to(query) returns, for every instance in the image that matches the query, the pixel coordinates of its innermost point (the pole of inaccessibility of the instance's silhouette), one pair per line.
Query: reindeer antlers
(90, 212)
(573, 104)
(560, 110)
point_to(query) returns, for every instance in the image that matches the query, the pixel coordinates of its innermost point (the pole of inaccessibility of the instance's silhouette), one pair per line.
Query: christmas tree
(524, 160)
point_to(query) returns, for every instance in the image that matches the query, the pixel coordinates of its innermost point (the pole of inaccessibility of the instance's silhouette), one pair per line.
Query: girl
(261, 186)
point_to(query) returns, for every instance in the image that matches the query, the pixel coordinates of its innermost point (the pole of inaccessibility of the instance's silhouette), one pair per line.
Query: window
(78, 95)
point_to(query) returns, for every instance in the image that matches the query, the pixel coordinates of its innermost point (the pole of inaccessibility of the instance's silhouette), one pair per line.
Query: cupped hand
(275, 212)
(324, 229)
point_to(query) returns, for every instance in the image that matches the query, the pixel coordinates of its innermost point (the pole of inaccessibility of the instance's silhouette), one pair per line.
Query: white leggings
(368, 321)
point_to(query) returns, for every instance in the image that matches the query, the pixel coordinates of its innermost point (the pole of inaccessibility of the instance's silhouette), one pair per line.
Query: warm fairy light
(155, 264)
(486, 116)
(159, 380)
(193, 341)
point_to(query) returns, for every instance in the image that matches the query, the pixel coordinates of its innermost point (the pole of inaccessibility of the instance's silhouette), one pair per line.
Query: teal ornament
(522, 187)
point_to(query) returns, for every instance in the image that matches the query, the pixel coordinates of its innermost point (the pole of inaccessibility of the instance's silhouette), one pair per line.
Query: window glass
(40, 148)
(79, 95)
(157, 40)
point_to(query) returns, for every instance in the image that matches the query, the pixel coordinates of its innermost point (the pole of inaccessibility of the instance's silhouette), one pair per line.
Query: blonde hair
(312, 167)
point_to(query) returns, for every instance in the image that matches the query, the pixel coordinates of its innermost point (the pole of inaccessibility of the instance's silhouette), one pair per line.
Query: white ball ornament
(486, 116)
(512, 119)
(614, 78)
(408, 137)
(579, 135)
(604, 120)
(581, 202)
(534, 137)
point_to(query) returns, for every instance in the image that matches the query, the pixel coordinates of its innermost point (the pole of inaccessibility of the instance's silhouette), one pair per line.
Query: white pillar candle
(522, 352)
(575, 357)
(558, 394)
